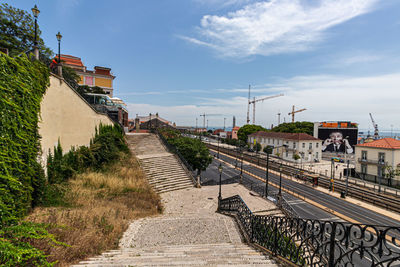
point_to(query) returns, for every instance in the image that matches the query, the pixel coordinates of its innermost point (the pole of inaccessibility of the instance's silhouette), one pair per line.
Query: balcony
(371, 161)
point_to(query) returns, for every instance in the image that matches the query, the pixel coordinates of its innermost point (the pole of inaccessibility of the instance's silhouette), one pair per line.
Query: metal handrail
(307, 242)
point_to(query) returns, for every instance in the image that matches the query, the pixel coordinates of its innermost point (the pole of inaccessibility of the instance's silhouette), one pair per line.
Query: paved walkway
(189, 233)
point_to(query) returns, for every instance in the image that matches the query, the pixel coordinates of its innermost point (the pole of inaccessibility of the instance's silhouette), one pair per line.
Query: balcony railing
(371, 161)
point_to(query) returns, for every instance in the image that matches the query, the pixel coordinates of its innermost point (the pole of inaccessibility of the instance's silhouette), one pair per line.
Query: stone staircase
(163, 170)
(222, 254)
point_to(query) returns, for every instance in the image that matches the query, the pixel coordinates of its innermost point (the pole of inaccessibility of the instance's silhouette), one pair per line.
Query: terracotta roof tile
(288, 136)
(388, 143)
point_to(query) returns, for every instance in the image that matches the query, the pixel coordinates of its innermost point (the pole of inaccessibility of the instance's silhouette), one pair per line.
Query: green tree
(248, 129)
(17, 32)
(268, 149)
(296, 156)
(390, 173)
(296, 127)
(70, 76)
(194, 151)
(257, 147)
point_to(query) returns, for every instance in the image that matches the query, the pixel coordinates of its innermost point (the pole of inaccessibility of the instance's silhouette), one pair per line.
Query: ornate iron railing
(318, 243)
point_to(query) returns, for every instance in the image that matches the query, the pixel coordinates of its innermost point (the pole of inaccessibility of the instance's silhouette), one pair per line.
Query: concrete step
(177, 181)
(224, 254)
(173, 188)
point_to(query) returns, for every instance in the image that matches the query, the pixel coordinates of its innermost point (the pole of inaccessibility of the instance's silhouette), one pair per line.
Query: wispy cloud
(276, 26)
(326, 97)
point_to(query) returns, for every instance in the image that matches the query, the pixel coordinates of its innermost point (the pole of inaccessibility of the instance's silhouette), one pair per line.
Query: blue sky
(181, 58)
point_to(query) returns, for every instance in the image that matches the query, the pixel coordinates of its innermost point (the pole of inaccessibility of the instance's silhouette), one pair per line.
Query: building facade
(373, 160)
(100, 76)
(287, 145)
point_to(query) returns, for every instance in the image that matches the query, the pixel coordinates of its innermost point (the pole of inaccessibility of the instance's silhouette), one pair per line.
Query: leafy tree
(70, 76)
(194, 151)
(296, 156)
(296, 127)
(97, 90)
(390, 173)
(268, 149)
(257, 147)
(248, 129)
(17, 32)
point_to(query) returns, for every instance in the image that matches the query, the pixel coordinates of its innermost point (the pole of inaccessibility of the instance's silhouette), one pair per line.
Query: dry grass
(103, 205)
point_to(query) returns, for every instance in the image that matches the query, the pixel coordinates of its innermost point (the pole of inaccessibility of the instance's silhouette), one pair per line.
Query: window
(273, 141)
(381, 158)
(316, 154)
(294, 144)
(316, 145)
(310, 146)
(363, 168)
(268, 141)
(287, 153)
(363, 155)
(304, 145)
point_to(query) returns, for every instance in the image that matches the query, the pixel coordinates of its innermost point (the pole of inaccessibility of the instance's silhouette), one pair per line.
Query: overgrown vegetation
(247, 129)
(295, 127)
(95, 209)
(193, 150)
(22, 85)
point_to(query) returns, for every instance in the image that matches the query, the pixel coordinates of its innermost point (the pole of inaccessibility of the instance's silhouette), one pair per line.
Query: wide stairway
(226, 254)
(163, 170)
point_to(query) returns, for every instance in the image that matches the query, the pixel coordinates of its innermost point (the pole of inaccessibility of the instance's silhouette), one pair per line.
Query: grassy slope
(97, 210)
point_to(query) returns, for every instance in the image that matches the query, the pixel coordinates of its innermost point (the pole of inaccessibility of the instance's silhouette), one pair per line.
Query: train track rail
(364, 194)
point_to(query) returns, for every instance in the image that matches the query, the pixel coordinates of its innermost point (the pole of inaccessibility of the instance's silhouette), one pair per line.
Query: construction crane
(295, 111)
(204, 115)
(248, 108)
(254, 101)
(376, 131)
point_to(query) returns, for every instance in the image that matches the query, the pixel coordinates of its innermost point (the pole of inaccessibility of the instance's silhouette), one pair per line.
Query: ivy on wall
(22, 85)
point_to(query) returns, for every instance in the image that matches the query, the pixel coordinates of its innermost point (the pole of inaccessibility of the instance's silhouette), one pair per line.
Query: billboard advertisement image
(339, 140)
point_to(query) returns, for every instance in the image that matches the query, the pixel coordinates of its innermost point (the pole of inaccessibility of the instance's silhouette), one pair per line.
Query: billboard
(338, 140)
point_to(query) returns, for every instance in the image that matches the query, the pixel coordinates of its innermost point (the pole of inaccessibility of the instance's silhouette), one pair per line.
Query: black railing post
(331, 260)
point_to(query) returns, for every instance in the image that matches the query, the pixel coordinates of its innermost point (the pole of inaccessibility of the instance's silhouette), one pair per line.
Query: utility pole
(248, 108)
(196, 125)
(224, 124)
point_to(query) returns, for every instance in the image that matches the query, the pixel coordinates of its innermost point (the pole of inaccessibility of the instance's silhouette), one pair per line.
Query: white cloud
(325, 97)
(276, 26)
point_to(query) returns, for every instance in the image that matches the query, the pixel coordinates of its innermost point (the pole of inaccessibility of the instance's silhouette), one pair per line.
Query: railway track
(364, 194)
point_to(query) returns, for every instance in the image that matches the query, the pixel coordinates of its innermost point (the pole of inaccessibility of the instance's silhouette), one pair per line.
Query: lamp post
(331, 181)
(241, 165)
(218, 148)
(35, 12)
(347, 176)
(59, 67)
(266, 173)
(198, 185)
(280, 180)
(220, 181)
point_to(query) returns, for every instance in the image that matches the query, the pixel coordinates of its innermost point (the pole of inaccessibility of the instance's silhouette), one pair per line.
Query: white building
(371, 159)
(287, 145)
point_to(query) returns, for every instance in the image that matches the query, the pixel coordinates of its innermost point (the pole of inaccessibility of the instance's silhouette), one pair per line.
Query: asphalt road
(303, 209)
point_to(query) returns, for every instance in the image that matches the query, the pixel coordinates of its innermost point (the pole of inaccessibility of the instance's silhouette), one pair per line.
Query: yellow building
(100, 76)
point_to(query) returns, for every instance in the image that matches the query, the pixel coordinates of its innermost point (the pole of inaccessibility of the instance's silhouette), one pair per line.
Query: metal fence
(318, 243)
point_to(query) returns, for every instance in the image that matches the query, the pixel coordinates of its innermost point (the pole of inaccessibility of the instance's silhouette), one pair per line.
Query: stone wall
(67, 117)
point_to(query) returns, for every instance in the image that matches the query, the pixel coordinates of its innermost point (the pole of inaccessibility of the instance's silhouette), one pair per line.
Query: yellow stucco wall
(102, 82)
(65, 116)
(81, 80)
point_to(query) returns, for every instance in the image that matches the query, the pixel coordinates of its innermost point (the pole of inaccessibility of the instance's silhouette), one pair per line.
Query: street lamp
(35, 12)
(266, 172)
(241, 164)
(218, 147)
(220, 175)
(59, 36)
(280, 180)
(347, 176)
(198, 185)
